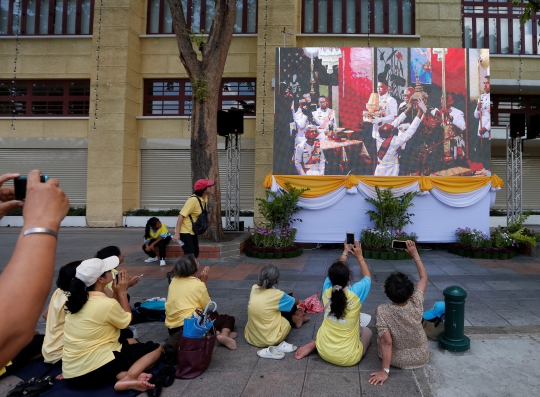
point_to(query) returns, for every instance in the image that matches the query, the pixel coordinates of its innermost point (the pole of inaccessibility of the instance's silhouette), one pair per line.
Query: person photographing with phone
(401, 339)
(28, 275)
(340, 339)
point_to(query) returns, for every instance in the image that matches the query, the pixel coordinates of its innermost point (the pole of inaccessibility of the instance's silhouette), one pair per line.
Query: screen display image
(382, 111)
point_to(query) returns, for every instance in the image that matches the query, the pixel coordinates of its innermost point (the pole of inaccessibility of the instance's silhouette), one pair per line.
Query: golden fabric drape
(321, 185)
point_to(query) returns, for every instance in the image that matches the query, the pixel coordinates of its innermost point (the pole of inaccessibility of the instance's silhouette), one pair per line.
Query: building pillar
(113, 147)
(273, 17)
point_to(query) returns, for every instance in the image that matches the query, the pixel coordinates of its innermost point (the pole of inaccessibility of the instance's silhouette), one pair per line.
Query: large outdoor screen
(382, 111)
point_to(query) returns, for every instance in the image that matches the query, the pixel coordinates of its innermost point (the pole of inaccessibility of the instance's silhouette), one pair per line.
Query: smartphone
(350, 238)
(116, 277)
(399, 244)
(20, 186)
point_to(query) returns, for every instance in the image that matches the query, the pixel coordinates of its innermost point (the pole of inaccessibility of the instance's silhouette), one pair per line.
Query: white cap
(91, 269)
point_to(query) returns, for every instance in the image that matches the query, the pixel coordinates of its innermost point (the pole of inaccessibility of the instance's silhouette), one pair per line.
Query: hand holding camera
(45, 205)
(121, 282)
(7, 195)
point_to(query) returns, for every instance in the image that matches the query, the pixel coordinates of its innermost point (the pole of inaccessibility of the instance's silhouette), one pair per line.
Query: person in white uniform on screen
(308, 157)
(388, 143)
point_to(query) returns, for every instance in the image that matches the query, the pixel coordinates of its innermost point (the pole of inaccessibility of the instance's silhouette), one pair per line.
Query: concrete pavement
(502, 319)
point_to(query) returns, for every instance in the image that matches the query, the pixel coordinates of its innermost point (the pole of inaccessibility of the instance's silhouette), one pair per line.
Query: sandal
(168, 375)
(21, 387)
(271, 352)
(285, 347)
(38, 387)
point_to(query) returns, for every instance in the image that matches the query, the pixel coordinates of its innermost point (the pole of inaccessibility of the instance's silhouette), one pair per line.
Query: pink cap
(202, 184)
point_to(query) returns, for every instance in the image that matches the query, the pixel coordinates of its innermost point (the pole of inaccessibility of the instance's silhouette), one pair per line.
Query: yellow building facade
(122, 53)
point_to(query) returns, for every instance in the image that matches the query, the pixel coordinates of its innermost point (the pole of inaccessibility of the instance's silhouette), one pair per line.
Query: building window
(358, 16)
(46, 17)
(504, 105)
(173, 97)
(44, 98)
(199, 14)
(495, 25)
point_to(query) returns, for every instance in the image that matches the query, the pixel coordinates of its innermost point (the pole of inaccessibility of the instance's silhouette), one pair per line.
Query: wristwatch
(387, 370)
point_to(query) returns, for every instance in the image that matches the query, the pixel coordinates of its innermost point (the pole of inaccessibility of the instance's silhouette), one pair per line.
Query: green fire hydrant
(453, 338)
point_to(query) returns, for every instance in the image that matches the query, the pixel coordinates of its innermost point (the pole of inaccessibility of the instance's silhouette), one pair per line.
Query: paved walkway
(502, 304)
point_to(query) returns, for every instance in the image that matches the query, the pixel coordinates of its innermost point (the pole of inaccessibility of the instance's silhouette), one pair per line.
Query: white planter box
(69, 221)
(170, 221)
(495, 221)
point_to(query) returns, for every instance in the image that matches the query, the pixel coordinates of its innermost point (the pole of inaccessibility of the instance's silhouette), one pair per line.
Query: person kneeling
(93, 353)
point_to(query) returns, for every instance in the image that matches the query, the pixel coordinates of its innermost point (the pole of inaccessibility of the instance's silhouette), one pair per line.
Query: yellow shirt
(186, 294)
(191, 207)
(266, 326)
(3, 369)
(91, 335)
(53, 343)
(338, 340)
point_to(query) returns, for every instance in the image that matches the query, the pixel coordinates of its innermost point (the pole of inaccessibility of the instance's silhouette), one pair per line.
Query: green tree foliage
(530, 7)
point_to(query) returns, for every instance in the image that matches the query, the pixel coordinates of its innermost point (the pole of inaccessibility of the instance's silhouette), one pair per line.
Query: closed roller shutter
(530, 183)
(69, 166)
(170, 188)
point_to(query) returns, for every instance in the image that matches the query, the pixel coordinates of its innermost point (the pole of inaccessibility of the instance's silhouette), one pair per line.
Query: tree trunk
(205, 74)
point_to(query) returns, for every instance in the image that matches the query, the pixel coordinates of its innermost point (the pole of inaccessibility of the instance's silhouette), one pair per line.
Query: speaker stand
(514, 198)
(232, 198)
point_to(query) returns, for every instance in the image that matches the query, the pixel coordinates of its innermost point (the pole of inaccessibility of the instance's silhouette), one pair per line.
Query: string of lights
(16, 29)
(265, 62)
(98, 42)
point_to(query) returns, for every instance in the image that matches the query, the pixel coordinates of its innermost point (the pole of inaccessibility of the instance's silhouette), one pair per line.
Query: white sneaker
(152, 260)
(162, 263)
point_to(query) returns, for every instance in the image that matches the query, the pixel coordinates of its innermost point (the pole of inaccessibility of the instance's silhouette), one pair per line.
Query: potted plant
(390, 213)
(392, 255)
(401, 255)
(278, 254)
(270, 253)
(384, 255)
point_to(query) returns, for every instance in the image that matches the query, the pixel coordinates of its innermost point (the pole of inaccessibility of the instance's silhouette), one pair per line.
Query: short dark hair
(199, 192)
(398, 287)
(185, 266)
(66, 274)
(107, 252)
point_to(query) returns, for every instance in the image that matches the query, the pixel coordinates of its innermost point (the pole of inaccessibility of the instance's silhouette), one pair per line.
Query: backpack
(201, 225)
(152, 310)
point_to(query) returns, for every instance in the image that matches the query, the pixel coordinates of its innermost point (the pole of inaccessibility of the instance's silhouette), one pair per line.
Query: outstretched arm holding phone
(356, 250)
(28, 275)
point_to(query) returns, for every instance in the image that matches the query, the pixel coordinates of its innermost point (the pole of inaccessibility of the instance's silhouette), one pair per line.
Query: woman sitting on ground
(156, 233)
(53, 344)
(187, 294)
(94, 355)
(113, 250)
(400, 336)
(271, 312)
(340, 339)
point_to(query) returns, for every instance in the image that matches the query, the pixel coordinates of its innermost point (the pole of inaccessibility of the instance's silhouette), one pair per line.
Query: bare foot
(144, 376)
(299, 320)
(304, 350)
(227, 341)
(59, 377)
(233, 335)
(139, 385)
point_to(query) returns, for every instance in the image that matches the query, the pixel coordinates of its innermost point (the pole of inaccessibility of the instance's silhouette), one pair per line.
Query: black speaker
(230, 122)
(534, 127)
(517, 125)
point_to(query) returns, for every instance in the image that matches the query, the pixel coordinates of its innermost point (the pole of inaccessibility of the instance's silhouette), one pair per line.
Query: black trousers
(162, 245)
(191, 244)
